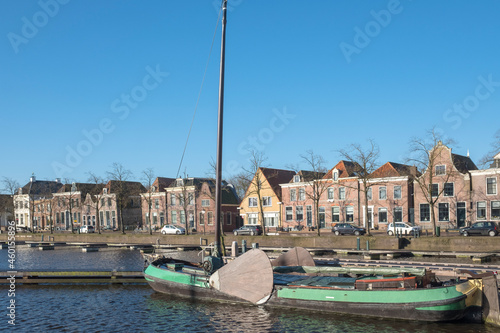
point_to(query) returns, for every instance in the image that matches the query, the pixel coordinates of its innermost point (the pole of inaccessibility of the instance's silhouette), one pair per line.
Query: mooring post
(234, 249)
(243, 246)
(255, 245)
(367, 245)
(358, 246)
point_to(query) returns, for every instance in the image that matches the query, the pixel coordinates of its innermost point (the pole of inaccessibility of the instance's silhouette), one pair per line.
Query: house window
(369, 193)
(162, 218)
(108, 218)
(349, 214)
(302, 194)
(190, 199)
(330, 193)
(252, 219)
(382, 215)
(252, 202)
(179, 182)
(228, 218)
(293, 194)
(425, 213)
(270, 220)
(183, 217)
(335, 214)
(491, 186)
(172, 199)
(113, 218)
(181, 199)
(448, 190)
(202, 218)
(210, 218)
(440, 170)
(267, 201)
(155, 218)
(309, 215)
(398, 214)
(102, 202)
(289, 213)
(335, 175)
(342, 193)
(481, 210)
(322, 216)
(299, 213)
(397, 192)
(205, 203)
(296, 179)
(444, 212)
(174, 217)
(495, 210)
(434, 190)
(157, 203)
(109, 202)
(382, 193)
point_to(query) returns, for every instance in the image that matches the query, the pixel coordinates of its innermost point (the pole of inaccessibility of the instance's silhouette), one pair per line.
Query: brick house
(67, 205)
(446, 185)
(121, 200)
(27, 197)
(156, 196)
(191, 202)
(390, 196)
(297, 206)
(265, 191)
(485, 201)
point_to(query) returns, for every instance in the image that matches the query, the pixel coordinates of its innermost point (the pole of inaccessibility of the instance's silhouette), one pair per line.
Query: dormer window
(296, 179)
(179, 182)
(105, 191)
(335, 174)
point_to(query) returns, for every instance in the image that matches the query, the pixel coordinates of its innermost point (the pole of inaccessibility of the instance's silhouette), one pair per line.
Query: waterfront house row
(452, 190)
(40, 205)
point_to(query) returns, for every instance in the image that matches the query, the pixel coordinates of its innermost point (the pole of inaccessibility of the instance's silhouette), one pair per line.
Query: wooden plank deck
(70, 277)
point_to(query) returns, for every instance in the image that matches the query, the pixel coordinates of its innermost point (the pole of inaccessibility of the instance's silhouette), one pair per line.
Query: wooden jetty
(76, 277)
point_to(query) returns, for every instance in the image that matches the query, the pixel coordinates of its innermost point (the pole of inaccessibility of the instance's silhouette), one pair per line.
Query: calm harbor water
(137, 308)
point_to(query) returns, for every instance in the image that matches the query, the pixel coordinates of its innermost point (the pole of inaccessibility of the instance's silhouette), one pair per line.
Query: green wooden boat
(380, 292)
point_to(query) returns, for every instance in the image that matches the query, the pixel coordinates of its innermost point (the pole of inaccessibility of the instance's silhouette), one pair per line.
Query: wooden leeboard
(298, 256)
(249, 277)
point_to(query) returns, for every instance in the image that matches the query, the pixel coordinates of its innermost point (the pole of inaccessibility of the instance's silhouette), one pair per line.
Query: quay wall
(328, 241)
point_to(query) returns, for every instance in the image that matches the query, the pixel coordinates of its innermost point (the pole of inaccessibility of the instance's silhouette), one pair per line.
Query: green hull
(428, 304)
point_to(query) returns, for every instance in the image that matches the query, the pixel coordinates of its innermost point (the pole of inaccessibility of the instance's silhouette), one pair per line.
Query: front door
(461, 214)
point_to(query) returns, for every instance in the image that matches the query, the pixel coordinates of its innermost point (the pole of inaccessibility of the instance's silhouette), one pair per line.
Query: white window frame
(440, 170)
(330, 193)
(382, 190)
(288, 213)
(293, 194)
(494, 192)
(400, 188)
(252, 202)
(342, 193)
(452, 187)
(267, 201)
(302, 194)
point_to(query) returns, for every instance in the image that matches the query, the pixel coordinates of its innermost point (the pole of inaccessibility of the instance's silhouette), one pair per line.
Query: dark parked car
(481, 228)
(348, 229)
(248, 230)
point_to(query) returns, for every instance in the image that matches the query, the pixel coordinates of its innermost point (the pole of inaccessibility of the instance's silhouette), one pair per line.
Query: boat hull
(385, 304)
(433, 304)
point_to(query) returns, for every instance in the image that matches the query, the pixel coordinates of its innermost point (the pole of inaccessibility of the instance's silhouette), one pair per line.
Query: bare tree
(95, 194)
(366, 162)
(148, 179)
(69, 200)
(254, 177)
(120, 175)
(489, 157)
(10, 186)
(426, 154)
(317, 185)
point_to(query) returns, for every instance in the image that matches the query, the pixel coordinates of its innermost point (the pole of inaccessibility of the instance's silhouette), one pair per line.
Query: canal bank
(328, 241)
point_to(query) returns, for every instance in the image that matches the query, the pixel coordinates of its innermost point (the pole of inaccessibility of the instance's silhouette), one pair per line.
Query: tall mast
(218, 168)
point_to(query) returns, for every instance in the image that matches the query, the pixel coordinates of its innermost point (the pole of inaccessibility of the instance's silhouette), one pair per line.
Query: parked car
(403, 228)
(480, 228)
(251, 230)
(172, 229)
(348, 229)
(86, 229)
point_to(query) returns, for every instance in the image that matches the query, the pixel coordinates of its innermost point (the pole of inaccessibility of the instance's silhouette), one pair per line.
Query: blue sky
(85, 84)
